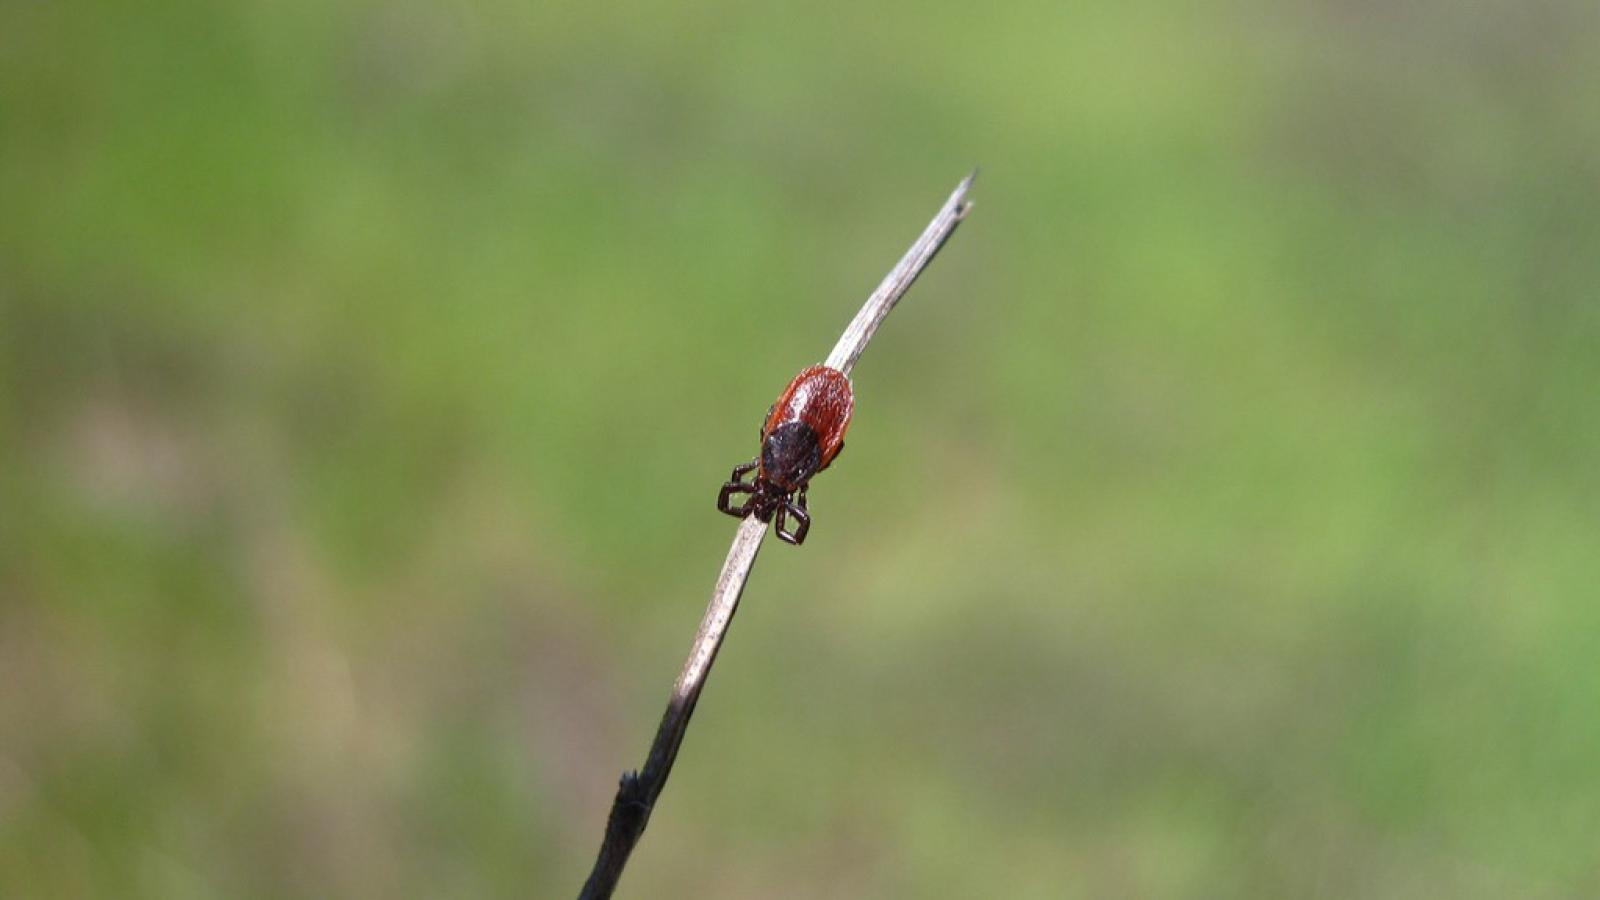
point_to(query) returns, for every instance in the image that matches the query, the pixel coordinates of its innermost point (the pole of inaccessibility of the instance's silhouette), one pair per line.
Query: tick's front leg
(802, 521)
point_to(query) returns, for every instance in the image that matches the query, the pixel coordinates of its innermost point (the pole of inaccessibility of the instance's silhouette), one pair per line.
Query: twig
(899, 280)
(636, 796)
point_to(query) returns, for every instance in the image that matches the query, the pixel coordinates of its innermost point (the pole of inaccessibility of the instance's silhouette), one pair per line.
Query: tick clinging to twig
(803, 432)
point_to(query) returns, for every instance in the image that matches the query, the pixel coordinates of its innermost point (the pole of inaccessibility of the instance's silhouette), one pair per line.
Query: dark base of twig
(630, 812)
(636, 798)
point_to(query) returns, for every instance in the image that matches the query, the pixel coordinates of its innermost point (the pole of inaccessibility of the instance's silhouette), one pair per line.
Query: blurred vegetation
(1221, 514)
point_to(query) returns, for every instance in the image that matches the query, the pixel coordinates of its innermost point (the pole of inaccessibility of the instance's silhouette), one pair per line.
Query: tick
(803, 432)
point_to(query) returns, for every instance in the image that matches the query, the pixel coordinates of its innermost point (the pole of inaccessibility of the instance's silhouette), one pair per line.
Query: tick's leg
(802, 521)
(725, 498)
(737, 485)
(743, 469)
(779, 521)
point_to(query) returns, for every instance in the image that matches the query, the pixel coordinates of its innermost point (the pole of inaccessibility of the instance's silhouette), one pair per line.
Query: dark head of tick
(802, 434)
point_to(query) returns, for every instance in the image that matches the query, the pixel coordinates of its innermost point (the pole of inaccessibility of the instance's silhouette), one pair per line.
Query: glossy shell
(806, 427)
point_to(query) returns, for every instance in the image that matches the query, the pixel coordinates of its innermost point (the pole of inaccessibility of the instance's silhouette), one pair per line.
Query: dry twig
(636, 796)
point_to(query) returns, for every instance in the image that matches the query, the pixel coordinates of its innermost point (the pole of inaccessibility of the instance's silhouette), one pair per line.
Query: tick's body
(802, 434)
(805, 429)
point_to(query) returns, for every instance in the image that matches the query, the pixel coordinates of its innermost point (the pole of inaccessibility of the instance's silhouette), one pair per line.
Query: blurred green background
(1221, 516)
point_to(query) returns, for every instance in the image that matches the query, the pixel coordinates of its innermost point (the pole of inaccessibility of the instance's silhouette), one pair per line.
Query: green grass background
(1221, 516)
